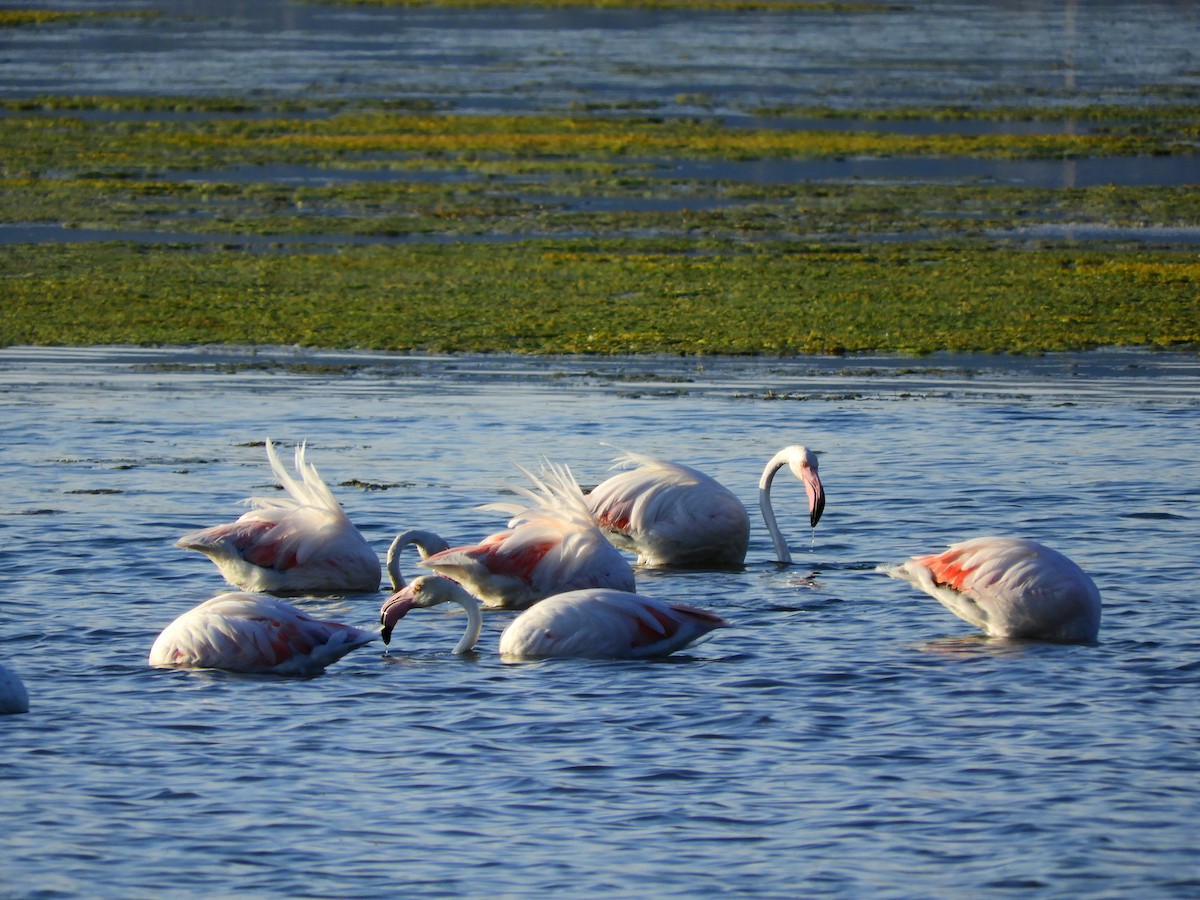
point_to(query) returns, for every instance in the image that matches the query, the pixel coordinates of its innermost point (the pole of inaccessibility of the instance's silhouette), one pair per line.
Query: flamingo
(1010, 588)
(301, 543)
(255, 634)
(593, 623)
(13, 696)
(670, 514)
(552, 546)
(426, 542)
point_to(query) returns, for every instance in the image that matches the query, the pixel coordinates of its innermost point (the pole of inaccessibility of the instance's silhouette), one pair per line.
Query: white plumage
(595, 623)
(550, 546)
(1009, 587)
(301, 542)
(605, 624)
(254, 633)
(671, 514)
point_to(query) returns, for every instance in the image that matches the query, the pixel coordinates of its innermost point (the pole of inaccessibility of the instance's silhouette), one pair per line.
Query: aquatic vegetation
(17, 18)
(392, 173)
(565, 203)
(543, 234)
(34, 144)
(605, 297)
(1154, 115)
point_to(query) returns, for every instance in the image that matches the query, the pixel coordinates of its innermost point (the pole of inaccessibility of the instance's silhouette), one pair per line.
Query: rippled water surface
(847, 738)
(931, 52)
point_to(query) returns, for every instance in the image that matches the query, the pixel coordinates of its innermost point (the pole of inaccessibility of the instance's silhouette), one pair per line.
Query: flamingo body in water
(13, 696)
(1010, 588)
(550, 546)
(254, 634)
(605, 624)
(671, 514)
(299, 543)
(595, 623)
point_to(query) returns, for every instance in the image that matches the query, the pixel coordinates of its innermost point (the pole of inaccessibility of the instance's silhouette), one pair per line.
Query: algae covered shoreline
(698, 224)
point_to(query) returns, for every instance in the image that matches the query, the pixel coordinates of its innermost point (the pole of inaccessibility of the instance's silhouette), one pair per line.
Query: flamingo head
(803, 463)
(421, 593)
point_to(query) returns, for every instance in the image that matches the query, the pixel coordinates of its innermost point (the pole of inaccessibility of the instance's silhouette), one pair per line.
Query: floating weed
(601, 297)
(17, 18)
(35, 144)
(669, 263)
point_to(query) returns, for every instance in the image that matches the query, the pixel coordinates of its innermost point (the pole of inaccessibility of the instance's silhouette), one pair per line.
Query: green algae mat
(167, 221)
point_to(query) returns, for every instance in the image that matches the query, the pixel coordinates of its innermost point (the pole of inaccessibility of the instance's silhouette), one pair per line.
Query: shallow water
(847, 738)
(928, 53)
(745, 68)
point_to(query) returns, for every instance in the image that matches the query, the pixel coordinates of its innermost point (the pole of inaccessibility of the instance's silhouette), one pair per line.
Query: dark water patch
(1075, 173)
(28, 233)
(1099, 235)
(1036, 173)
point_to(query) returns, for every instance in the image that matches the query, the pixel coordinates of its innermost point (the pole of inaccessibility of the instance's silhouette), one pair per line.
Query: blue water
(932, 52)
(847, 738)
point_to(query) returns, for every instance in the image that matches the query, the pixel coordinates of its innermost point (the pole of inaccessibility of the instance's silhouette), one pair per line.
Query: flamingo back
(671, 514)
(498, 578)
(294, 543)
(550, 546)
(251, 633)
(600, 623)
(1009, 587)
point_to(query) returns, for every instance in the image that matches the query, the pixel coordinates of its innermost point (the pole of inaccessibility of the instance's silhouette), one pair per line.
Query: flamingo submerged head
(254, 634)
(592, 623)
(1009, 588)
(297, 542)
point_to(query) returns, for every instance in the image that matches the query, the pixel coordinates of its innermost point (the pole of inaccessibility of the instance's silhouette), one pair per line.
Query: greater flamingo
(255, 634)
(670, 514)
(13, 696)
(1010, 588)
(552, 546)
(299, 543)
(595, 623)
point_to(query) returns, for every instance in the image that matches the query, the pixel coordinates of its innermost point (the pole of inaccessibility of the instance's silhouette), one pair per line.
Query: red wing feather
(946, 569)
(646, 634)
(520, 563)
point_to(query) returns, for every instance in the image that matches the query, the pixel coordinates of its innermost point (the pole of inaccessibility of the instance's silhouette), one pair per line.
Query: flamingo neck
(426, 542)
(474, 622)
(768, 511)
